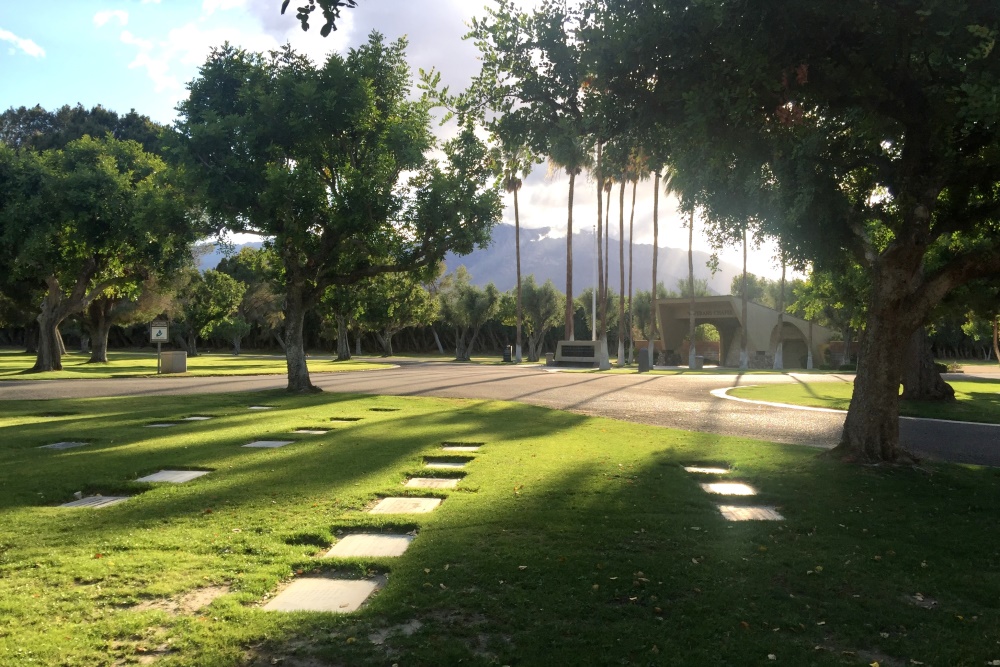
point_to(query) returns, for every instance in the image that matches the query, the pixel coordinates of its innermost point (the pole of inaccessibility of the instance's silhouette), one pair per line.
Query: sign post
(159, 332)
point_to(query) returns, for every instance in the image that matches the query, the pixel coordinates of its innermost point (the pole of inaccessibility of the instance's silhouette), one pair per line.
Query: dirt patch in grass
(188, 603)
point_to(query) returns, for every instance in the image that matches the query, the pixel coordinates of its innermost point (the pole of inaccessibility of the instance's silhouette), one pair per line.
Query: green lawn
(978, 399)
(13, 365)
(572, 540)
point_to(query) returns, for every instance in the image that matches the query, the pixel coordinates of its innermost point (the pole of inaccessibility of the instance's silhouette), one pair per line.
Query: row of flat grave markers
(735, 512)
(337, 595)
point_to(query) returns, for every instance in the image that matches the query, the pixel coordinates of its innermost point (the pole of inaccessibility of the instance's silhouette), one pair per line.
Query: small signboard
(159, 332)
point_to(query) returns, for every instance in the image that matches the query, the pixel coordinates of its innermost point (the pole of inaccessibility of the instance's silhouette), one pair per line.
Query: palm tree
(568, 150)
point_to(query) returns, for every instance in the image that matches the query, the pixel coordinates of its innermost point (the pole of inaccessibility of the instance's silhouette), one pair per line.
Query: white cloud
(211, 6)
(102, 17)
(26, 45)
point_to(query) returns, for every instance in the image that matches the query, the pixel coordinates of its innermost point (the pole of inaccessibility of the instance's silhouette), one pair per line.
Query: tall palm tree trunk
(692, 351)
(631, 229)
(599, 311)
(621, 275)
(517, 254)
(779, 346)
(744, 355)
(569, 259)
(656, 253)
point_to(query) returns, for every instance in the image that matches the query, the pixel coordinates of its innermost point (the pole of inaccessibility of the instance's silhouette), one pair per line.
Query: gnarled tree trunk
(295, 353)
(99, 314)
(343, 342)
(922, 380)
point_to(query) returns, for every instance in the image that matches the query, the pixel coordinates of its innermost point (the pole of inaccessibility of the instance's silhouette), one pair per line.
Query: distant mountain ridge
(545, 258)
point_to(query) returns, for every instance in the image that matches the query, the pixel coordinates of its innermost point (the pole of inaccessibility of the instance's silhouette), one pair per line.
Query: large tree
(330, 164)
(97, 215)
(859, 128)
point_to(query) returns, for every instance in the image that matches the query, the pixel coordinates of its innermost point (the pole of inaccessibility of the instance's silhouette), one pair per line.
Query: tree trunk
(779, 347)
(99, 314)
(650, 349)
(598, 314)
(49, 355)
(192, 344)
(996, 338)
(569, 258)
(437, 341)
(631, 229)
(343, 341)
(460, 350)
(621, 275)
(921, 379)
(31, 339)
(744, 353)
(517, 255)
(692, 351)
(295, 353)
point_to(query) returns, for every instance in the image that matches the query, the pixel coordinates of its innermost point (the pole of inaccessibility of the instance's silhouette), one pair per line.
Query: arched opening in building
(789, 346)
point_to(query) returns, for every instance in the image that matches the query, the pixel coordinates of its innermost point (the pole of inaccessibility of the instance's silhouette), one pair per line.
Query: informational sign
(159, 332)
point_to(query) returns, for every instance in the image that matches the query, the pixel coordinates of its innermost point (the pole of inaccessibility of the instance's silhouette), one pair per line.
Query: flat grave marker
(729, 489)
(438, 464)
(64, 445)
(370, 545)
(312, 431)
(405, 506)
(750, 513)
(161, 425)
(173, 476)
(698, 470)
(96, 501)
(196, 418)
(261, 407)
(325, 594)
(432, 483)
(269, 444)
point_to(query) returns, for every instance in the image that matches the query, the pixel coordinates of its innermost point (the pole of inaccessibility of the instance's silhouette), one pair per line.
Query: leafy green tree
(234, 329)
(850, 128)
(342, 183)
(260, 270)
(209, 300)
(394, 302)
(39, 129)
(543, 312)
(132, 304)
(467, 308)
(98, 215)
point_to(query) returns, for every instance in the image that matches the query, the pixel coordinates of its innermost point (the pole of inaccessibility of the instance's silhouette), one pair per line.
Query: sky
(140, 54)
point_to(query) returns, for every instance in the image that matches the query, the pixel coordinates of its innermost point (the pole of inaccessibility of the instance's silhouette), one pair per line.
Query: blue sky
(140, 54)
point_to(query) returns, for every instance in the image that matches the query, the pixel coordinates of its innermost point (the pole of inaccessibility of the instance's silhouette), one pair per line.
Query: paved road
(676, 401)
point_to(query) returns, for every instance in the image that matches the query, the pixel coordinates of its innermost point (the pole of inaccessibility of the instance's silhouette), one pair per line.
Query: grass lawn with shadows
(569, 540)
(14, 364)
(978, 400)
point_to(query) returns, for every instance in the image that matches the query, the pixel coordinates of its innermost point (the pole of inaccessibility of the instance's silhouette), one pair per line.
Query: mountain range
(545, 257)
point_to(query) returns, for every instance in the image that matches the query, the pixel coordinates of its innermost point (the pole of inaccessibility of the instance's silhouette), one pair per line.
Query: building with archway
(802, 341)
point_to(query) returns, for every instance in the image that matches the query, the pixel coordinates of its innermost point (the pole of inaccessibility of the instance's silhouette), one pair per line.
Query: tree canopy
(850, 128)
(331, 163)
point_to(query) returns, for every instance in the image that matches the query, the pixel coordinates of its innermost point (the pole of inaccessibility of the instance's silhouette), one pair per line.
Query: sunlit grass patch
(977, 400)
(14, 364)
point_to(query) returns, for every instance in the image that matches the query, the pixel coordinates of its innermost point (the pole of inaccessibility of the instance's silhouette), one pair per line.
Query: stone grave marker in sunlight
(196, 418)
(370, 545)
(96, 501)
(745, 513)
(261, 407)
(338, 596)
(160, 425)
(405, 506)
(269, 444)
(461, 446)
(432, 483)
(312, 431)
(729, 488)
(173, 476)
(441, 464)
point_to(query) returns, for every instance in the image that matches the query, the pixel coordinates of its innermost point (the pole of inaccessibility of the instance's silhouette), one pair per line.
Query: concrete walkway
(675, 401)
